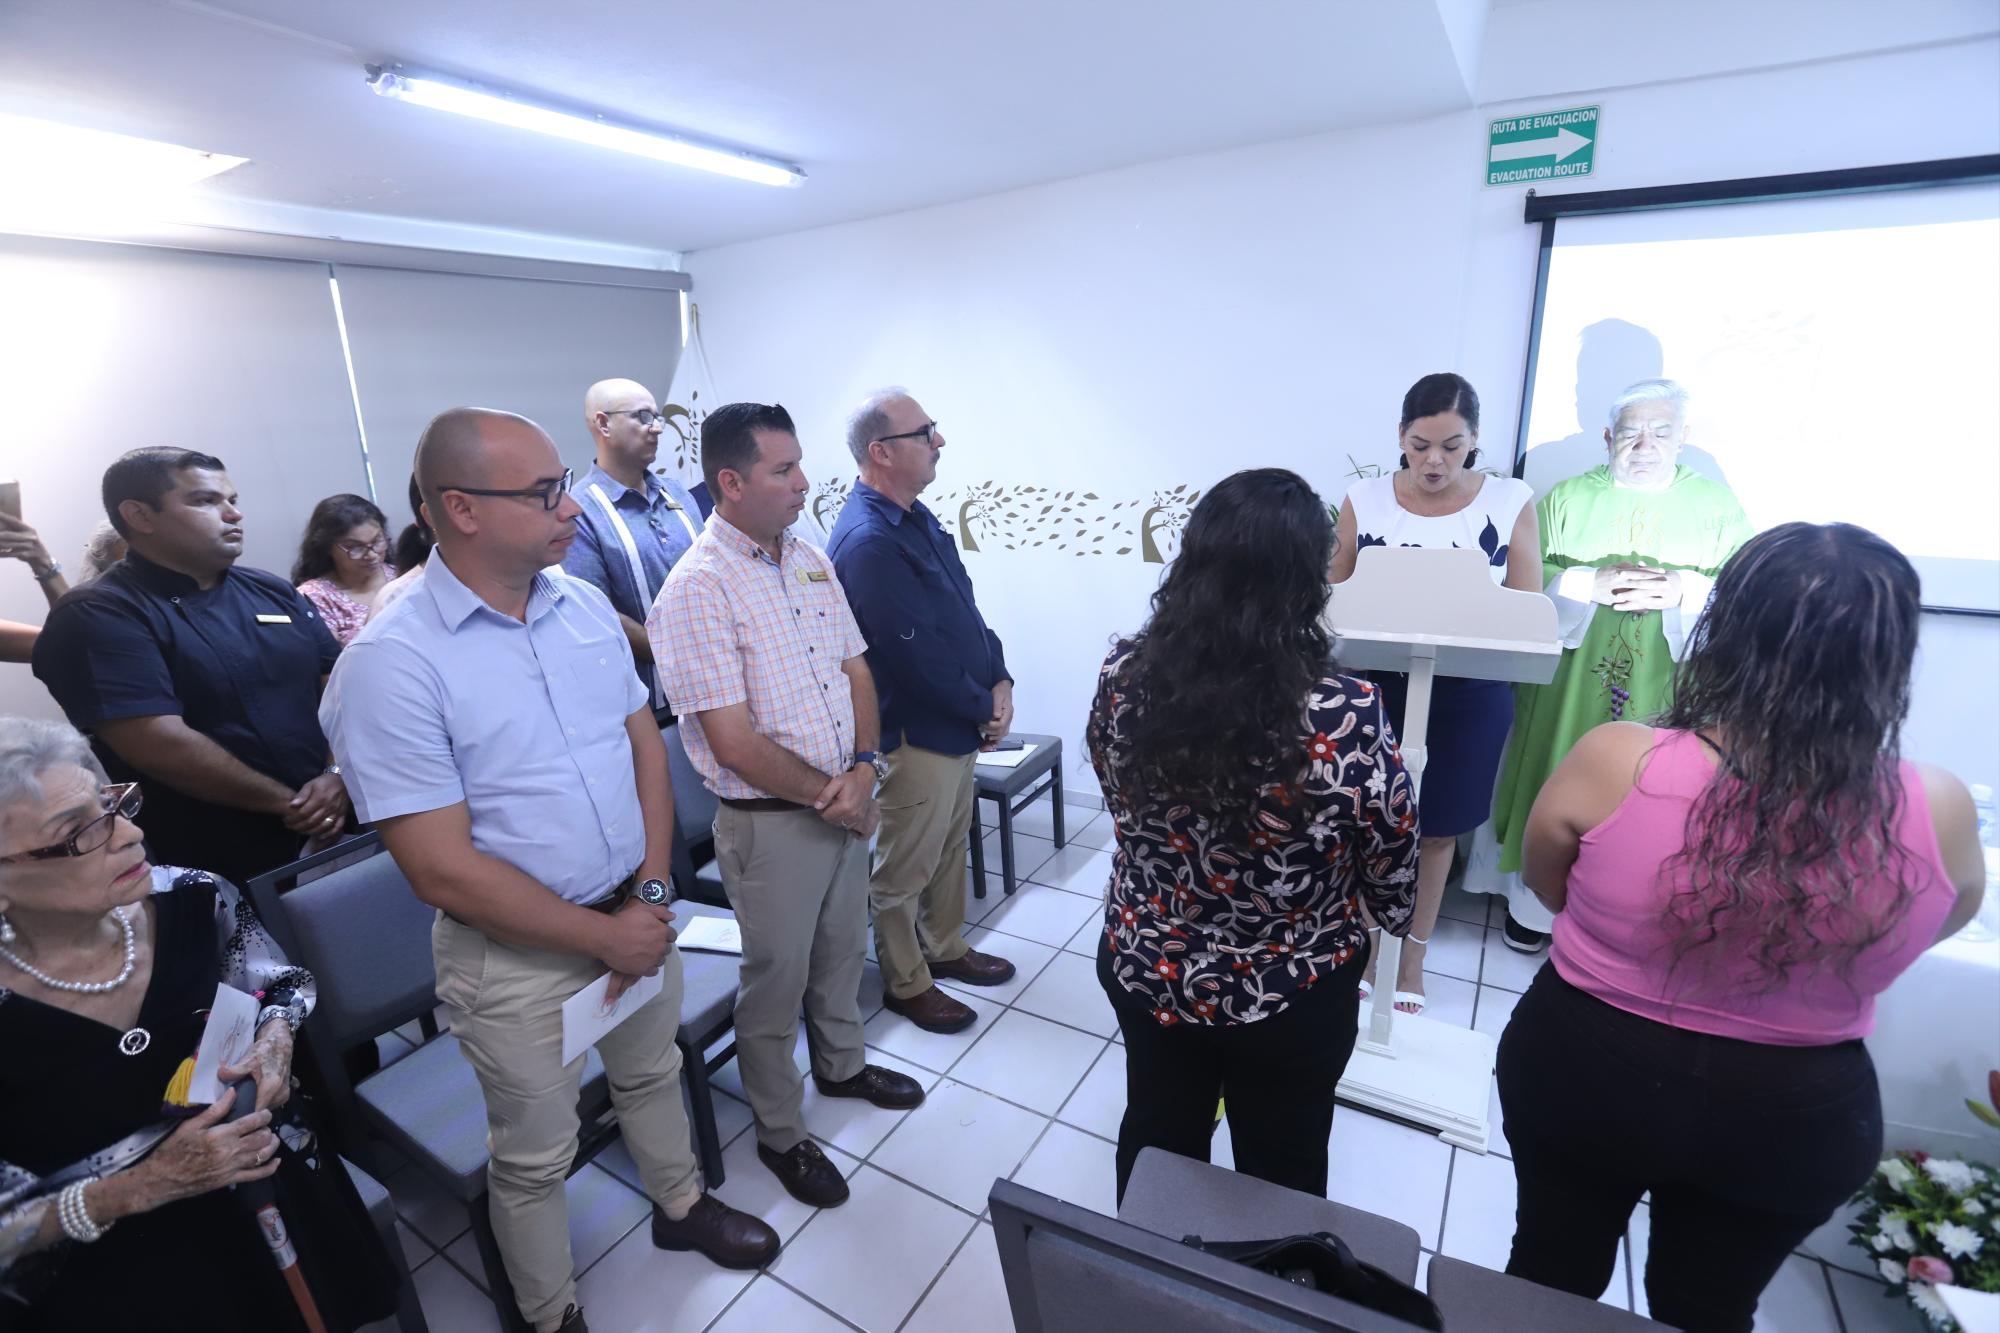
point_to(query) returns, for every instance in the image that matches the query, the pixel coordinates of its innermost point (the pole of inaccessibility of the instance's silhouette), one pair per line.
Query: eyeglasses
(641, 416)
(120, 800)
(362, 550)
(927, 431)
(550, 493)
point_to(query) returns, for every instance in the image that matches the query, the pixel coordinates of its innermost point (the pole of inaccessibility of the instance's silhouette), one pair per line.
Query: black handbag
(1322, 1262)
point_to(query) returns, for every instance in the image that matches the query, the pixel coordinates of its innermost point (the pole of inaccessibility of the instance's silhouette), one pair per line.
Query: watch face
(653, 891)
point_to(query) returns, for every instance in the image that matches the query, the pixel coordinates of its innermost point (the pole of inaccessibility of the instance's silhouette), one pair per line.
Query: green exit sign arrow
(1552, 145)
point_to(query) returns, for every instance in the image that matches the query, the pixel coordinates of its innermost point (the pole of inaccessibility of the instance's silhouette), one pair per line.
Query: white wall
(1123, 333)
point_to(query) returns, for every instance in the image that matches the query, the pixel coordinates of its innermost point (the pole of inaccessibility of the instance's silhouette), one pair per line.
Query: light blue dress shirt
(442, 699)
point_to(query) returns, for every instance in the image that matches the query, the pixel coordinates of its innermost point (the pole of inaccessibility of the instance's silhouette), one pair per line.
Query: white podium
(1430, 613)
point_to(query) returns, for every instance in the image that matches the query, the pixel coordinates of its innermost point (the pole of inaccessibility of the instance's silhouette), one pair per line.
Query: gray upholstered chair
(1496, 1303)
(694, 821)
(366, 937)
(382, 1212)
(1177, 1196)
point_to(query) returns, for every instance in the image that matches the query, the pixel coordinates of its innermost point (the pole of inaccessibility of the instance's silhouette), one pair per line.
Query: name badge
(274, 620)
(813, 576)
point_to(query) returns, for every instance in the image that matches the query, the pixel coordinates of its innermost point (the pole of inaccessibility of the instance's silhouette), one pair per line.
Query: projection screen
(1842, 354)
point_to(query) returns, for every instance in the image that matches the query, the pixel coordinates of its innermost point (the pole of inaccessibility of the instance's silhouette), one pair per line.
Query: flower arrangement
(1929, 1220)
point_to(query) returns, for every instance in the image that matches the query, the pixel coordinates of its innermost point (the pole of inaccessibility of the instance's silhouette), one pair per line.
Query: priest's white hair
(1649, 391)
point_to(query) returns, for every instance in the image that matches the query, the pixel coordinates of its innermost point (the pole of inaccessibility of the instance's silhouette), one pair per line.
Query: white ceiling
(887, 104)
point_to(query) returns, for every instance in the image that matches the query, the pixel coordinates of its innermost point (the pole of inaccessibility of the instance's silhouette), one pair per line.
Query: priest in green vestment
(1630, 551)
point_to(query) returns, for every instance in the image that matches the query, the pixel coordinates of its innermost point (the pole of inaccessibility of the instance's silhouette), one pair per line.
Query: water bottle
(1986, 925)
(1982, 803)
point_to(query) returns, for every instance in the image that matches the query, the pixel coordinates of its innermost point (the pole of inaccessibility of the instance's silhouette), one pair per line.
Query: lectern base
(1440, 1076)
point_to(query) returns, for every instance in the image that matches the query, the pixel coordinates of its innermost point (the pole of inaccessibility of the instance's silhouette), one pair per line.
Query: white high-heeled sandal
(1411, 997)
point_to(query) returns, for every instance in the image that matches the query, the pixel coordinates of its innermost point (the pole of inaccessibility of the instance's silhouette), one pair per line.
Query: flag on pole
(688, 401)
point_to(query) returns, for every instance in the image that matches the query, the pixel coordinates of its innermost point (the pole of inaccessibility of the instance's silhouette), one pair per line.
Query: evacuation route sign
(1551, 146)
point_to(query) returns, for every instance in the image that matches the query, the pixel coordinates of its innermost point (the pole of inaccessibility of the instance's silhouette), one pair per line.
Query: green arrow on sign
(1549, 145)
(1561, 145)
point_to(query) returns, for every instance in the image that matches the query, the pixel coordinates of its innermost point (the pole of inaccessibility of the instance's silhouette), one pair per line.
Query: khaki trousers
(798, 886)
(506, 1011)
(918, 888)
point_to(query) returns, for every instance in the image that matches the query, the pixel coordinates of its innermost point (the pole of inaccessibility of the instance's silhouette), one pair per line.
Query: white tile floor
(1032, 1092)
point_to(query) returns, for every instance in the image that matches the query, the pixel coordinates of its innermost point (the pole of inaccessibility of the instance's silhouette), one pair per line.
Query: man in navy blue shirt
(196, 677)
(945, 695)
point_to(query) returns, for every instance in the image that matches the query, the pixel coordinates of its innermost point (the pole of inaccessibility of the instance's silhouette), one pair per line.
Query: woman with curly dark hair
(1259, 801)
(1735, 884)
(343, 562)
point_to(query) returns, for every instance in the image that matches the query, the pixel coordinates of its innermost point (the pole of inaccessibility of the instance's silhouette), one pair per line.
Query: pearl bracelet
(75, 1217)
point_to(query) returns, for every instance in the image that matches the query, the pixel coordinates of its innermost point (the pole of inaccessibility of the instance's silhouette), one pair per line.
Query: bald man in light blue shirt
(491, 726)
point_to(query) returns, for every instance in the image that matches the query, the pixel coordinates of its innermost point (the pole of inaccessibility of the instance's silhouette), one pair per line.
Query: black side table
(1011, 789)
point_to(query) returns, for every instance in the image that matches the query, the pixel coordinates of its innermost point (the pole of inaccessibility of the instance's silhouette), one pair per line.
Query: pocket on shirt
(601, 680)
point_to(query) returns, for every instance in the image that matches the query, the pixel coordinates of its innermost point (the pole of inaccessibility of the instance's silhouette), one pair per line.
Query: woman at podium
(1436, 499)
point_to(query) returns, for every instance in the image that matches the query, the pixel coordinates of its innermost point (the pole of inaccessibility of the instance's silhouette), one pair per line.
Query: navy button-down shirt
(934, 659)
(241, 663)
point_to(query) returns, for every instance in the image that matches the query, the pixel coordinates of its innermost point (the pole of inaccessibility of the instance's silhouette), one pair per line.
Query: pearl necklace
(87, 987)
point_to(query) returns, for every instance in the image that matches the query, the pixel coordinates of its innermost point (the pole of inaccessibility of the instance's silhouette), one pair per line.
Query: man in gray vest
(635, 524)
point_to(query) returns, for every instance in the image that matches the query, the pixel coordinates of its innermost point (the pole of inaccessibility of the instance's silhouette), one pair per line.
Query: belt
(608, 904)
(763, 805)
(615, 899)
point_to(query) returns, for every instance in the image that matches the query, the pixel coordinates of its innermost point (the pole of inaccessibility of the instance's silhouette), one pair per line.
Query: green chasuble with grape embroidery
(1623, 667)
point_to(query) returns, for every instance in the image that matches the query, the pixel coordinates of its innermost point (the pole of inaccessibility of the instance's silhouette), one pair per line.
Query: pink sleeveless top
(1614, 940)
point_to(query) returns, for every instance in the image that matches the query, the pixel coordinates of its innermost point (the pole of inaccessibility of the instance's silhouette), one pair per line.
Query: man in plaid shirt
(762, 661)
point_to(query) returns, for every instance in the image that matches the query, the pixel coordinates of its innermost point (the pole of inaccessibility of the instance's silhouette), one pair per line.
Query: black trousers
(1276, 1076)
(1746, 1149)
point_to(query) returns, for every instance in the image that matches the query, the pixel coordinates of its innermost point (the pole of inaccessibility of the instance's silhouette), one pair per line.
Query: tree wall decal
(1166, 518)
(981, 505)
(685, 423)
(828, 498)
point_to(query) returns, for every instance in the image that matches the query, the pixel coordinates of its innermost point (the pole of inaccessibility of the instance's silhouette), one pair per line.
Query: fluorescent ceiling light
(41, 154)
(467, 100)
(65, 180)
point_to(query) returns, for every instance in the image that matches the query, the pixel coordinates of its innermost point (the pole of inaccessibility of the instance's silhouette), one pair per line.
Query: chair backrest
(1069, 1270)
(1508, 1304)
(362, 932)
(694, 803)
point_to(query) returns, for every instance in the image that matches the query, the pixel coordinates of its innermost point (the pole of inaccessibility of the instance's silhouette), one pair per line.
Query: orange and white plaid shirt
(730, 625)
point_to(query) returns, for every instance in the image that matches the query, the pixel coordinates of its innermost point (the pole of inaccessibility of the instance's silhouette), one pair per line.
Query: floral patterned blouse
(343, 613)
(1214, 931)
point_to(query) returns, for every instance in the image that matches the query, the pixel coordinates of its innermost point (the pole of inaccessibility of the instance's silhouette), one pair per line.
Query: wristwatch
(874, 761)
(652, 892)
(53, 571)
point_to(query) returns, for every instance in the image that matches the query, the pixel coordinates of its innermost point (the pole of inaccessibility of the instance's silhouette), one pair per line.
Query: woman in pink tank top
(1734, 886)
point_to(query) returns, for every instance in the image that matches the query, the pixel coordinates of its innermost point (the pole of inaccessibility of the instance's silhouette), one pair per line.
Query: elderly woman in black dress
(115, 1207)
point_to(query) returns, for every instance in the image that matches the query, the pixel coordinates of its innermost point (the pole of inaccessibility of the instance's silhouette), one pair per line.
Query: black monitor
(1069, 1270)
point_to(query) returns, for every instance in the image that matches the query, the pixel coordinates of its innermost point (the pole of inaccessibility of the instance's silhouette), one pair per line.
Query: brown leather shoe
(933, 1011)
(884, 1087)
(974, 968)
(728, 1236)
(807, 1174)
